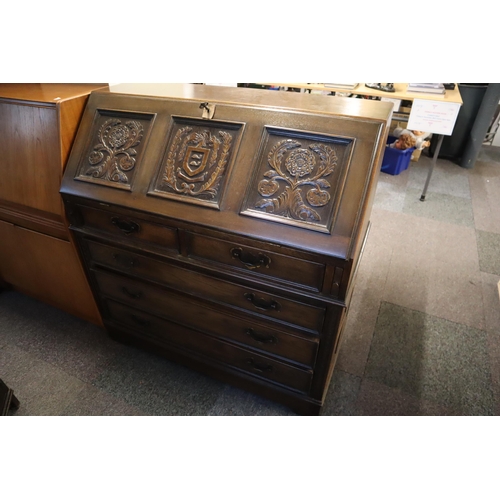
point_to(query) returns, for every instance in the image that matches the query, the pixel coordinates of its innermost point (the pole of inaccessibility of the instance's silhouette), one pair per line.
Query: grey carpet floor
(422, 336)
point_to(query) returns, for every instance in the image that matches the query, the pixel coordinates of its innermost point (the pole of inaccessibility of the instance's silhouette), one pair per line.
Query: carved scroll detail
(297, 167)
(115, 154)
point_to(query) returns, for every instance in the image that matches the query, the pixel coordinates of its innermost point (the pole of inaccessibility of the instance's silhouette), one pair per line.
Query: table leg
(7, 399)
(431, 169)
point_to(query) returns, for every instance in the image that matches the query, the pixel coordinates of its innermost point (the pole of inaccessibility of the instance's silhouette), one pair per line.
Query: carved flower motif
(268, 187)
(127, 163)
(318, 198)
(95, 157)
(300, 162)
(118, 136)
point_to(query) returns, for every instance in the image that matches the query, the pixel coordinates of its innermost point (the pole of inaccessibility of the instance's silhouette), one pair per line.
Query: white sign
(433, 116)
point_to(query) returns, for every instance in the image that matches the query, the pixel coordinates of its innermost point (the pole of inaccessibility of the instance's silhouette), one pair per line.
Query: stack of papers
(349, 86)
(426, 88)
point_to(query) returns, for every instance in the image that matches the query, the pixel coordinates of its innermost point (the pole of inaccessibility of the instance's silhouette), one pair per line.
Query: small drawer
(198, 315)
(271, 306)
(254, 260)
(119, 259)
(132, 228)
(163, 331)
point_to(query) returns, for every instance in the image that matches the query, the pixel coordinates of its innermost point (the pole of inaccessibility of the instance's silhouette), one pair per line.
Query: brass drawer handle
(259, 337)
(124, 260)
(259, 367)
(130, 294)
(262, 304)
(127, 227)
(250, 260)
(140, 321)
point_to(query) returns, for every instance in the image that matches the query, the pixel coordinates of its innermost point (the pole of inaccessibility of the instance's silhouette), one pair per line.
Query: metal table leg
(7, 399)
(431, 169)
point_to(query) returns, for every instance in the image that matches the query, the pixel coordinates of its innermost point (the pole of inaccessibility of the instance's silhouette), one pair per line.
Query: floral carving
(196, 162)
(301, 172)
(115, 153)
(300, 162)
(267, 187)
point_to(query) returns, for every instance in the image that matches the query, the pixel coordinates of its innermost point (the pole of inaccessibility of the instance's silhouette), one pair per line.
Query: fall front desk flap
(286, 168)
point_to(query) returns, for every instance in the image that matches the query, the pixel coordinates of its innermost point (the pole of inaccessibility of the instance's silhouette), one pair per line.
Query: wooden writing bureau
(222, 227)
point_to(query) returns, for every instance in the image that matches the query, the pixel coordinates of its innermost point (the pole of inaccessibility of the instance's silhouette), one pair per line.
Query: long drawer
(251, 299)
(193, 313)
(163, 331)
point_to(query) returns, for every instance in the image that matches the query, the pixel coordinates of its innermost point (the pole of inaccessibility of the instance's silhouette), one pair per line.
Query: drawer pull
(130, 294)
(259, 367)
(262, 304)
(249, 260)
(140, 321)
(124, 260)
(126, 226)
(258, 337)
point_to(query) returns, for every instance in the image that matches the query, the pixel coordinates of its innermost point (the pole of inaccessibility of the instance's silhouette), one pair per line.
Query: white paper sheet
(433, 116)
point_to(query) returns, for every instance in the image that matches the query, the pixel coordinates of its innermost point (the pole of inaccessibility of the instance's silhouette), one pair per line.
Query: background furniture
(482, 123)
(450, 97)
(453, 146)
(222, 227)
(400, 91)
(38, 123)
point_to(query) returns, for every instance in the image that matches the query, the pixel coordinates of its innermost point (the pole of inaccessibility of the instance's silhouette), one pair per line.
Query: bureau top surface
(286, 168)
(258, 97)
(48, 93)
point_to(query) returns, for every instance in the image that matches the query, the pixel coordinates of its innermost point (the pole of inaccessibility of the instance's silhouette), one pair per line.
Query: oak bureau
(222, 227)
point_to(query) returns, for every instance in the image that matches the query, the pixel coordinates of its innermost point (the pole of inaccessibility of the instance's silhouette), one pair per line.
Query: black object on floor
(7, 399)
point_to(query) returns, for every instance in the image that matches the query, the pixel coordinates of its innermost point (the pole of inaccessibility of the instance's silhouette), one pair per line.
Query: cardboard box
(416, 154)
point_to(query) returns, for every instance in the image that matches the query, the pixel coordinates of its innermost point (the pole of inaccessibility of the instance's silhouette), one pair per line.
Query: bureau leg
(7, 399)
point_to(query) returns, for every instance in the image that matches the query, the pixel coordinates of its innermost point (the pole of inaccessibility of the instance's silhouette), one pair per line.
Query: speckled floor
(422, 337)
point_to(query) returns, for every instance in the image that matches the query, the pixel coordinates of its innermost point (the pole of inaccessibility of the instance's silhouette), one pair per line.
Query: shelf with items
(400, 91)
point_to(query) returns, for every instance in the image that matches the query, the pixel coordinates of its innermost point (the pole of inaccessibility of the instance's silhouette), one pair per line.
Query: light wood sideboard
(38, 124)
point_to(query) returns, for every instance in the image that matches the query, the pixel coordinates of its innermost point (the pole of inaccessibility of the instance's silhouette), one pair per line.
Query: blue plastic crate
(395, 160)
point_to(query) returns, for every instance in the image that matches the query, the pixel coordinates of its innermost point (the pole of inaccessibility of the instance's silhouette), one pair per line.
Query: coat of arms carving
(196, 162)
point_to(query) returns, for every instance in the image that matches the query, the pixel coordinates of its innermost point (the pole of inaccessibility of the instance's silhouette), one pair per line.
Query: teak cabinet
(222, 227)
(38, 123)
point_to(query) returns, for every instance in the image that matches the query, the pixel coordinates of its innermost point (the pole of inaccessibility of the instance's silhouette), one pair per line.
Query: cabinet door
(47, 269)
(31, 156)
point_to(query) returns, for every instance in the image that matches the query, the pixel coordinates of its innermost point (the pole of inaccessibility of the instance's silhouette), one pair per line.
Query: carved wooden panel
(113, 154)
(298, 178)
(197, 160)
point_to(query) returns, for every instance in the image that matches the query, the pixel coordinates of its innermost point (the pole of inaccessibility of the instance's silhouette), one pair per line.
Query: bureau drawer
(163, 331)
(132, 228)
(261, 262)
(271, 306)
(196, 314)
